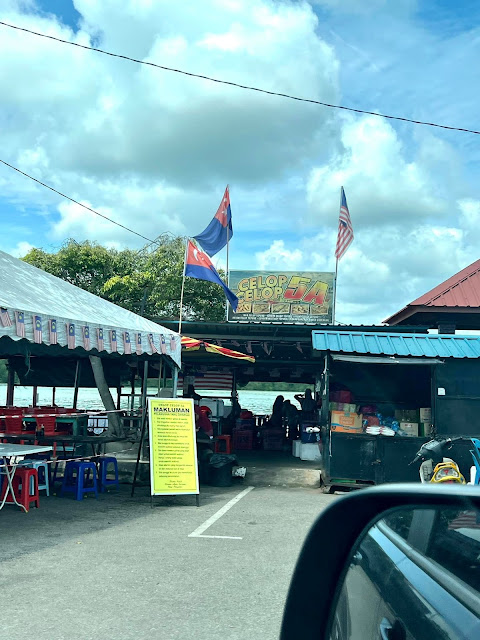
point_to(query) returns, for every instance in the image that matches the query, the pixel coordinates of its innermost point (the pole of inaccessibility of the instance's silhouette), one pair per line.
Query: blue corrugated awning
(394, 344)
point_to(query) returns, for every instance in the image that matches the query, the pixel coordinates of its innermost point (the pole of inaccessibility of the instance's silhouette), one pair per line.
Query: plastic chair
(76, 479)
(47, 425)
(25, 487)
(103, 463)
(39, 465)
(223, 444)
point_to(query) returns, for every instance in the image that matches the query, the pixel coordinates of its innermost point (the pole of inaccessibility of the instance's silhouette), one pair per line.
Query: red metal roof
(461, 290)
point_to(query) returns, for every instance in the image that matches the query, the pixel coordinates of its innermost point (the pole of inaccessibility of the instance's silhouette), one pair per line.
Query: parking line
(198, 533)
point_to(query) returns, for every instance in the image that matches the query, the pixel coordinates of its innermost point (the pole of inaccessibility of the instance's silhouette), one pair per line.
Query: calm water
(255, 401)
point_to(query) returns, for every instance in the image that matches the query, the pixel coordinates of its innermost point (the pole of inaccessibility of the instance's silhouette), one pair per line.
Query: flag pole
(183, 288)
(228, 240)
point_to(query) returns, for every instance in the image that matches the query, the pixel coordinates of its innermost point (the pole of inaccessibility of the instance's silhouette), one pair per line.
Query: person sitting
(307, 402)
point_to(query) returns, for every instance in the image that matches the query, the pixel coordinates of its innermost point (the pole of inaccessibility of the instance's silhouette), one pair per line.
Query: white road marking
(216, 516)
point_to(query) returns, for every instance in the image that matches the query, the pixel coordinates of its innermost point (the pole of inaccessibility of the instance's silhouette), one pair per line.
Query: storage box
(349, 408)
(296, 447)
(346, 422)
(242, 440)
(410, 428)
(424, 428)
(310, 452)
(407, 415)
(426, 414)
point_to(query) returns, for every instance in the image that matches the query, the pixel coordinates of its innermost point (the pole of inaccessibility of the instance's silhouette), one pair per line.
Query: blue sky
(154, 150)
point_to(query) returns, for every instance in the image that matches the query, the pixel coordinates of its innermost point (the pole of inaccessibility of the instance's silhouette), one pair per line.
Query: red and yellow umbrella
(191, 344)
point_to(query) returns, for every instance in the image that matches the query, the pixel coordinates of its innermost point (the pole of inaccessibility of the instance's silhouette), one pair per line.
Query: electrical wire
(241, 86)
(97, 213)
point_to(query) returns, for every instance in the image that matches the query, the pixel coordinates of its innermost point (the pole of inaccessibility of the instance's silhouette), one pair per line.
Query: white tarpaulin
(33, 302)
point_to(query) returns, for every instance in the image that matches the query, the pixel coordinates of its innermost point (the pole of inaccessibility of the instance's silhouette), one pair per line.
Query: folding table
(8, 451)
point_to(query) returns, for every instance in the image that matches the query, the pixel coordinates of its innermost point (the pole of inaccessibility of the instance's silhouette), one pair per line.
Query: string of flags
(154, 343)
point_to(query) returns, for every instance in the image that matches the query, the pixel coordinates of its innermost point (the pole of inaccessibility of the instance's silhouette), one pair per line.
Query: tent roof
(24, 288)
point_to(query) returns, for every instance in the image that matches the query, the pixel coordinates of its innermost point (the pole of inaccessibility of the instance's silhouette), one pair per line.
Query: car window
(451, 538)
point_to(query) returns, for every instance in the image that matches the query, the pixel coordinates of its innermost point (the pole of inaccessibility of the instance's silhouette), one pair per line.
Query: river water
(259, 402)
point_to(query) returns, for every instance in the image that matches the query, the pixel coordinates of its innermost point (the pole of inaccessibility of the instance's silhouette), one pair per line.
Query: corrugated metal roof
(394, 344)
(461, 290)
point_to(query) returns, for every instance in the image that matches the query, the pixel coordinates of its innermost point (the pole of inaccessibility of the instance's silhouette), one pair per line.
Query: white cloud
(21, 249)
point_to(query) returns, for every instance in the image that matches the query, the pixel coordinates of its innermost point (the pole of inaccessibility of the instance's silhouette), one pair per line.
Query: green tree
(148, 280)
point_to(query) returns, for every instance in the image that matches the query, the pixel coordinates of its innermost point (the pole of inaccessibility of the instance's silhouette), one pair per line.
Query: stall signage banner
(283, 296)
(173, 447)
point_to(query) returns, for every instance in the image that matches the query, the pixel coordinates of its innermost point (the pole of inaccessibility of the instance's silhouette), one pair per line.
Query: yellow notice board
(173, 447)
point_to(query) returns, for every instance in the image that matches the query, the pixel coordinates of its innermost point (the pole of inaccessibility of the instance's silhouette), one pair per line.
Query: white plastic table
(8, 451)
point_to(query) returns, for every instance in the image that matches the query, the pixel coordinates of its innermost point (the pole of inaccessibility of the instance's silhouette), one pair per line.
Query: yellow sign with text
(173, 447)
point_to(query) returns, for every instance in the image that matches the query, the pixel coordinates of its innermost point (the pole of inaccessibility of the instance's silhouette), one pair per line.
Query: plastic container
(221, 476)
(296, 448)
(310, 452)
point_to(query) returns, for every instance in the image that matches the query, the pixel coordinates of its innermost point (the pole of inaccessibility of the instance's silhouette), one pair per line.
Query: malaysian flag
(71, 344)
(127, 345)
(52, 331)
(151, 342)
(113, 340)
(5, 318)
(172, 343)
(37, 329)
(345, 229)
(138, 342)
(163, 344)
(20, 323)
(100, 342)
(86, 338)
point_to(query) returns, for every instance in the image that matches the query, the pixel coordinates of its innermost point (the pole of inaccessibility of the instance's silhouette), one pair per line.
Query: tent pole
(174, 381)
(10, 382)
(144, 385)
(160, 376)
(34, 399)
(53, 396)
(75, 392)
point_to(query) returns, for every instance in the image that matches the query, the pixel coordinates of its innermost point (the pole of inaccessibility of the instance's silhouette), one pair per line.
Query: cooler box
(310, 451)
(245, 423)
(296, 448)
(217, 407)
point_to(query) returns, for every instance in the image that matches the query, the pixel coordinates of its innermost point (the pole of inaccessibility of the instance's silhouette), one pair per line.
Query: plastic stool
(25, 492)
(103, 464)
(223, 448)
(39, 465)
(76, 478)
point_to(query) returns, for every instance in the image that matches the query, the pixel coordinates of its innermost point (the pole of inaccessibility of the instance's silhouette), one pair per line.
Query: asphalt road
(117, 569)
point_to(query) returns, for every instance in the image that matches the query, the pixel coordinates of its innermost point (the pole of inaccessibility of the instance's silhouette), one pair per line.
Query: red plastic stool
(26, 490)
(223, 448)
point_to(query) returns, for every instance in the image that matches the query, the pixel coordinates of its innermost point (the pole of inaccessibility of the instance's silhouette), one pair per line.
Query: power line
(240, 86)
(97, 213)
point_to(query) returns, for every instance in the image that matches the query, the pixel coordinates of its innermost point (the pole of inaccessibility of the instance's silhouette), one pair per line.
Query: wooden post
(53, 396)
(102, 386)
(77, 379)
(174, 381)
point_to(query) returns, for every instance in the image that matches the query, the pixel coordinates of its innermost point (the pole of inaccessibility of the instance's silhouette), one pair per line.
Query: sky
(154, 149)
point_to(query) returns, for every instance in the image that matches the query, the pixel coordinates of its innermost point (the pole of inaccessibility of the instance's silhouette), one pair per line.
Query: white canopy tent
(33, 302)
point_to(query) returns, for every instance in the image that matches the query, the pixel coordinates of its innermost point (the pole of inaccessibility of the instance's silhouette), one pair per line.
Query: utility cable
(241, 86)
(97, 213)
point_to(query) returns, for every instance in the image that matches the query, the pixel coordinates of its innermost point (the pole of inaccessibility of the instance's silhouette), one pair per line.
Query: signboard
(173, 447)
(283, 296)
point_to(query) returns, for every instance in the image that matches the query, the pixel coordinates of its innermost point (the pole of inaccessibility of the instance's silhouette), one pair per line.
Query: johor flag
(37, 329)
(20, 323)
(220, 229)
(100, 341)
(52, 331)
(71, 344)
(5, 318)
(113, 340)
(86, 338)
(199, 265)
(127, 345)
(152, 343)
(138, 342)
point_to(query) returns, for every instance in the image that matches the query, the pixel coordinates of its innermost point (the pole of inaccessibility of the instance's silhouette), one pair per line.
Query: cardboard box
(346, 422)
(410, 428)
(407, 415)
(424, 428)
(426, 414)
(349, 408)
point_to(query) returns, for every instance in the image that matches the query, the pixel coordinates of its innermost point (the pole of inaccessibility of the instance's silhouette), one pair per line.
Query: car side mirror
(393, 562)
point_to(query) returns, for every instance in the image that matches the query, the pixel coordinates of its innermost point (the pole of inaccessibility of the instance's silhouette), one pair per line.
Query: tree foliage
(147, 281)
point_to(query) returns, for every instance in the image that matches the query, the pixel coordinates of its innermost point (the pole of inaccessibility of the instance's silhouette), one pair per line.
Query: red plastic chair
(47, 425)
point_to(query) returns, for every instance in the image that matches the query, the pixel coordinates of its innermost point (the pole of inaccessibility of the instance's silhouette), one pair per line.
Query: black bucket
(221, 476)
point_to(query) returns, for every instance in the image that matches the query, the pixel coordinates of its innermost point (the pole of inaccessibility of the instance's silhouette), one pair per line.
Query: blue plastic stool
(76, 478)
(43, 482)
(104, 462)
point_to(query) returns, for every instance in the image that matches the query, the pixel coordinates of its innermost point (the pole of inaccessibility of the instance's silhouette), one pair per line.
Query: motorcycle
(435, 466)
